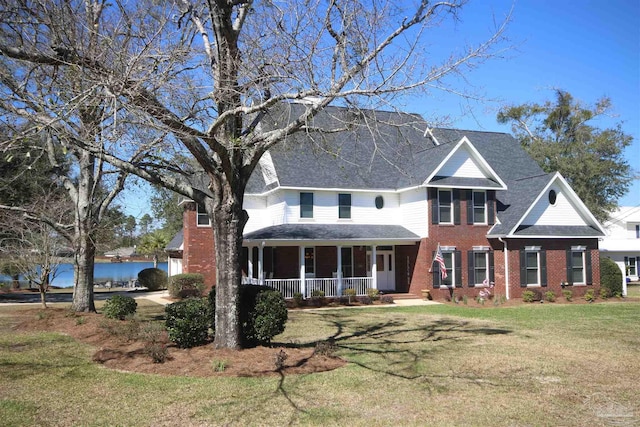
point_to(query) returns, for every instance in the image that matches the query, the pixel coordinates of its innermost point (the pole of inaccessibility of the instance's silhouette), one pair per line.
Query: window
(309, 262)
(445, 207)
(480, 270)
(631, 265)
(637, 231)
(533, 266)
(306, 205)
(552, 197)
(479, 207)
(452, 262)
(202, 216)
(379, 202)
(347, 262)
(344, 206)
(577, 268)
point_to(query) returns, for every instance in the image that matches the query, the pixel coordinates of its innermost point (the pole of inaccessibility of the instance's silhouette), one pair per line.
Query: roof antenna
(429, 132)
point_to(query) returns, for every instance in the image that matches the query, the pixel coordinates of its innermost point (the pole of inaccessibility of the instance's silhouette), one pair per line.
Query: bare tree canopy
(195, 78)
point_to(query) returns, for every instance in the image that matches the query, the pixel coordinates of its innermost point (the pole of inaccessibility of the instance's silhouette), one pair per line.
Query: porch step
(404, 295)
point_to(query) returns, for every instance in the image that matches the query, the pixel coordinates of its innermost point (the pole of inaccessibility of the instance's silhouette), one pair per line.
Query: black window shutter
(569, 269)
(434, 205)
(523, 269)
(490, 207)
(457, 257)
(456, 207)
(587, 261)
(492, 277)
(471, 269)
(469, 206)
(435, 271)
(543, 268)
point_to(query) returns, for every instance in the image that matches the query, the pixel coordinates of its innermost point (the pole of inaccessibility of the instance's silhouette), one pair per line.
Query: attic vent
(429, 132)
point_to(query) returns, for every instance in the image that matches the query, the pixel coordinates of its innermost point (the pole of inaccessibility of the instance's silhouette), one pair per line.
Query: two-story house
(622, 242)
(368, 203)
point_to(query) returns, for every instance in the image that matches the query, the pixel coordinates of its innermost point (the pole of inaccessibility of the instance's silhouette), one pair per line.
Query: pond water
(102, 272)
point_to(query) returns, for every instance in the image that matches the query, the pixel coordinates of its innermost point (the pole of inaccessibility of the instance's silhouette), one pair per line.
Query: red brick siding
(198, 254)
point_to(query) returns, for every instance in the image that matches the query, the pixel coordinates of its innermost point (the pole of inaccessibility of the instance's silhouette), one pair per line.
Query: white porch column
(339, 271)
(261, 264)
(302, 273)
(374, 268)
(250, 264)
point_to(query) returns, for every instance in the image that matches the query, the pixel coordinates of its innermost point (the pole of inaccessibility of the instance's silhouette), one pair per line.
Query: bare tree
(205, 74)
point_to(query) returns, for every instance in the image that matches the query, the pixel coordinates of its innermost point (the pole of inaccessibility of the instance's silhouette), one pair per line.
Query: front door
(385, 273)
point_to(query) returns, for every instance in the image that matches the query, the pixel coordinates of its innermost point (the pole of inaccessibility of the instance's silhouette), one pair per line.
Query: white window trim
(451, 213)
(313, 197)
(581, 250)
(350, 207)
(451, 272)
(199, 214)
(635, 265)
(536, 250)
(486, 268)
(307, 274)
(473, 202)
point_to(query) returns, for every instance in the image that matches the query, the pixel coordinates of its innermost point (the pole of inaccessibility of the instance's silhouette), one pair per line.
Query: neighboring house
(122, 253)
(174, 252)
(368, 207)
(622, 243)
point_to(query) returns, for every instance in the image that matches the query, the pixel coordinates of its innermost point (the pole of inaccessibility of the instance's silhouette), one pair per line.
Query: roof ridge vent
(429, 132)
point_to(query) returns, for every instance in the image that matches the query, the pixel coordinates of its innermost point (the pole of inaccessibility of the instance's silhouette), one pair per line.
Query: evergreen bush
(610, 276)
(153, 279)
(186, 285)
(188, 322)
(119, 307)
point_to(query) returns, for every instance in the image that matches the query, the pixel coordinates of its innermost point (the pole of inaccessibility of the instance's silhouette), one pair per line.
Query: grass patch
(541, 364)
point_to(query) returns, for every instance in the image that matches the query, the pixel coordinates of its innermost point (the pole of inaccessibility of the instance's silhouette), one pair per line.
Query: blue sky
(588, 48)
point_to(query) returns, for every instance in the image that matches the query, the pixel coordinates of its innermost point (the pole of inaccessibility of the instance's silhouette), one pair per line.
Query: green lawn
(540, 364)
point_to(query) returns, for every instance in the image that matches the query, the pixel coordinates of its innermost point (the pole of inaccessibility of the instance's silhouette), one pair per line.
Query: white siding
(562, 213)
(414, 208)
(255, 207)
(461, 164)
(276, 213)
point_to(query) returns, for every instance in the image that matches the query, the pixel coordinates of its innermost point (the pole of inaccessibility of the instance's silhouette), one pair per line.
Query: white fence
(289, 287)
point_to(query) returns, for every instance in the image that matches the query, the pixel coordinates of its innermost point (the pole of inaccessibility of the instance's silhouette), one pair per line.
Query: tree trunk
(228, 223)
(83, 277)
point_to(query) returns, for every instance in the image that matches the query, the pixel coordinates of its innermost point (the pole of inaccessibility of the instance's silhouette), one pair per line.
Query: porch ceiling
(333, 233)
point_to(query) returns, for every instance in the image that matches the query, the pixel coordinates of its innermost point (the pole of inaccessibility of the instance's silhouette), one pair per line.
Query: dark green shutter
(523, 269)
(434, 205)
(587, 261)
(490, 207)
(471, 268)
(456, 207)
(435, 271)
(492, 277)
(470, 207)
(457, 259)
(569, 269)
(543, 268)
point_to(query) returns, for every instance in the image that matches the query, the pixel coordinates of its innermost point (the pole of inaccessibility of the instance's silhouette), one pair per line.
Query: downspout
(506, 267)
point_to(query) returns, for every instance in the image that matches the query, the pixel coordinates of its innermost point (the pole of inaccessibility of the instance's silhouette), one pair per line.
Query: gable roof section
(464, 167)
(528, 213)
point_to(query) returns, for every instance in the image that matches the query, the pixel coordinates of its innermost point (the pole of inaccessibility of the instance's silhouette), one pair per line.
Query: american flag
(440, 260)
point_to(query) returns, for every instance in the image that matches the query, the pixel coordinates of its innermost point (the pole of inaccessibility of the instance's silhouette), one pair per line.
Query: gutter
(506, 266)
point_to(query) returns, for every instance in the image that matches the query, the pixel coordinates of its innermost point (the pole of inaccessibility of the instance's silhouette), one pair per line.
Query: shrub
(365, 299)
(153, 279)
(154, 347)
(188, 322)
(590, 295)
(550, 296)
(186, 285)
(374, 294)
(610, 276)
(298, 298)
(350, 293)
(269, 317)
(528, 296)
(317, 297)
(386, 299)
(605, 293)
(119, 307)
(269, 313)
(567, 294)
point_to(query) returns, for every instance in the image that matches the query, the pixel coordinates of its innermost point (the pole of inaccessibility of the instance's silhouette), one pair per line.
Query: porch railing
(288, 287)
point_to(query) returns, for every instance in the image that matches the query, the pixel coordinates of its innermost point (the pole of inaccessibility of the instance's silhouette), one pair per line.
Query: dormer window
(344, 206)
(306, 205)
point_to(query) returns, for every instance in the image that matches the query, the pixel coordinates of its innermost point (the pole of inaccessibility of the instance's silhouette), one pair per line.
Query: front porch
(330, 287)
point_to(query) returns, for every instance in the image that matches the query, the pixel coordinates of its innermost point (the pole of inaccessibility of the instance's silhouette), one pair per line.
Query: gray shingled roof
(175, 243)
(558, 230)
(333, 232)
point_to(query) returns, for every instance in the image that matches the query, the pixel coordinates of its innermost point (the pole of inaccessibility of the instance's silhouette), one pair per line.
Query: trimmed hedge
(188, 322)
(119, 307)
(186, 285)
(261, 316)
(610, 277)
(153, 279)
